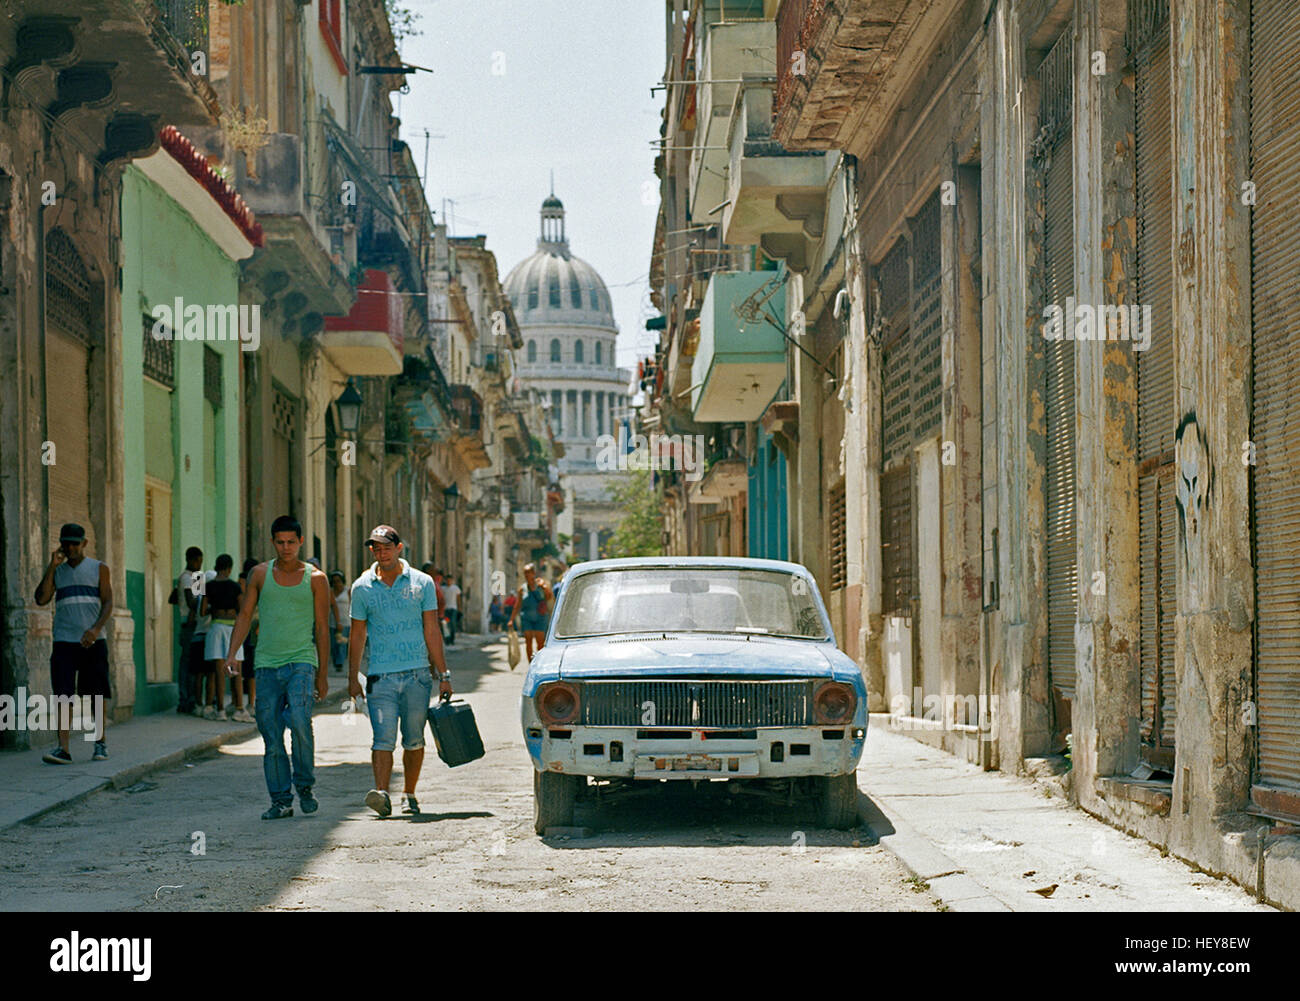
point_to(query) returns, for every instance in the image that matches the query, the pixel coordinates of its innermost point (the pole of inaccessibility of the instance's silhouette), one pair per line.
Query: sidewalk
(144, 744)
(986, 841)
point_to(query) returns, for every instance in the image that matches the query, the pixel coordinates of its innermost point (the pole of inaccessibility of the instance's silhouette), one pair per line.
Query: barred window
(159, 355)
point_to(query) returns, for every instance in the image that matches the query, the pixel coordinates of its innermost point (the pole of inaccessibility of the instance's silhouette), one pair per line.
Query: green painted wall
(175, 436)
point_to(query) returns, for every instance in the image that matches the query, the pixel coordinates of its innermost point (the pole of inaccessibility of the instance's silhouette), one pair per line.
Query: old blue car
(692, 669)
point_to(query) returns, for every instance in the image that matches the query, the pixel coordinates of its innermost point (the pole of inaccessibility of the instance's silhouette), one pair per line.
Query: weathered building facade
(71, 119)
(1070, 328)
(1038, 259)
(269, 191)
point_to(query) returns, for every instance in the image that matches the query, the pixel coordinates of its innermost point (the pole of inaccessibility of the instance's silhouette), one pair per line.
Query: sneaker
(101, 752)
(197, 711)
(278, 811)
(307, 801)
(242, 716)
(211, 712)
(409, 803)
(379, 802)
(58, 756)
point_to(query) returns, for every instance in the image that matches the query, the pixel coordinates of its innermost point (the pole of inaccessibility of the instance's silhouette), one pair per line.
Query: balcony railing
(468, 406)
(187, 20)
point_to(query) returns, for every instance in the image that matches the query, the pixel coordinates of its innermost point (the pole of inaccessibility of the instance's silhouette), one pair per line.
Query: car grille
(697, 703)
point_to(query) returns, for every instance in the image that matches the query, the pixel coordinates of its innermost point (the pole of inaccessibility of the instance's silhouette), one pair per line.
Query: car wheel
(554, 794)
(838, 801)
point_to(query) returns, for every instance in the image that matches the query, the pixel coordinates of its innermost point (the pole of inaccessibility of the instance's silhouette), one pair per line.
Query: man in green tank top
(292, 600)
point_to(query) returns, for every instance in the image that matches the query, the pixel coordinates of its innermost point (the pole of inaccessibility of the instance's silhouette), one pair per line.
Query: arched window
(532, 351)
(577, 352)
(532, 296)
(598, 347)
(555, 290)
(595, 301)
(555, 350)
(575, 292)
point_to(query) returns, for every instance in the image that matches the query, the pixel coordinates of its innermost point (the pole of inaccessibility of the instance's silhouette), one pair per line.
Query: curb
(947, 880)
(134, 773)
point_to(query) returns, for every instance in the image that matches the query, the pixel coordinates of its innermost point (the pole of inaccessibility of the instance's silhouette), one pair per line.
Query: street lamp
(349, 405)
(450, 496)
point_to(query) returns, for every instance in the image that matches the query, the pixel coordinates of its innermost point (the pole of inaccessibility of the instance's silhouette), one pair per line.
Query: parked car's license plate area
(669, 766)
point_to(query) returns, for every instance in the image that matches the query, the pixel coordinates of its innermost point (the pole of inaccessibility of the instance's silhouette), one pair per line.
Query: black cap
(385, 533)
(72, 533)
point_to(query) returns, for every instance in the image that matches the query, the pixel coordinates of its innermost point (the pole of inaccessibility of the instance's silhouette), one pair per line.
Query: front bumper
(641, 753)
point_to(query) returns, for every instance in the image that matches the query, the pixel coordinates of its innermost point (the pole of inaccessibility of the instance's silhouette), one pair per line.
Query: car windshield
(694, 599)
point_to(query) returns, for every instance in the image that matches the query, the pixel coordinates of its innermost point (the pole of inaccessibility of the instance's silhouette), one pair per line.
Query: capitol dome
(552, 286)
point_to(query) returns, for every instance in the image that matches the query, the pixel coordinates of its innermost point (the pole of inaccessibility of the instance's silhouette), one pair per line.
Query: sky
(523, 87)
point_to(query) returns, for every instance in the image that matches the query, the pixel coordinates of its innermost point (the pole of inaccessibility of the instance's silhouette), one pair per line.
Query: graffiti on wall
(1194, 472)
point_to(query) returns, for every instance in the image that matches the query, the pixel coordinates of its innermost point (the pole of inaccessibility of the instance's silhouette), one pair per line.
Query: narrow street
(472, 849)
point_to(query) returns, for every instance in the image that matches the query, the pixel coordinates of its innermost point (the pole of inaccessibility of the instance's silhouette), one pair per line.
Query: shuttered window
(279, 479)
(896, 541)
(926, 322)
(1275, 227)
(67, 373)
(838, 531)
(1148, 41)
(1055, 81)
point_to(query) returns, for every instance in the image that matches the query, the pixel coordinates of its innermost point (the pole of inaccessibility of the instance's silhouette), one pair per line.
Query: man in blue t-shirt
(395, 608)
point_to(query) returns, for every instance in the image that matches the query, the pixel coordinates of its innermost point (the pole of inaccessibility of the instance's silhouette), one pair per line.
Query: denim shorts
(404, 696)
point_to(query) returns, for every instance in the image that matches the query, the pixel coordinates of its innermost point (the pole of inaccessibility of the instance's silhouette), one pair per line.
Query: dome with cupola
(552, 286)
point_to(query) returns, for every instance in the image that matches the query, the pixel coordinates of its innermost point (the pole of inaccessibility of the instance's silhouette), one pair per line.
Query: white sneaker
(210, 712)
(242, 716)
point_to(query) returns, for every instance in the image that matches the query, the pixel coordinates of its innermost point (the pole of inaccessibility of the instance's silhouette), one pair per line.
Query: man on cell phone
(82, 590)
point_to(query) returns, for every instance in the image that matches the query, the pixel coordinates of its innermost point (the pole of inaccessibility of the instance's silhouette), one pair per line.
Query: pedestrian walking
(451, 592)
(191, 584)
(533, 609)
(184, 597)
(395, 608)
(496, 614)
(82, 590)
(292, 600)
(221, 603)
(250, 644)
(341, 624)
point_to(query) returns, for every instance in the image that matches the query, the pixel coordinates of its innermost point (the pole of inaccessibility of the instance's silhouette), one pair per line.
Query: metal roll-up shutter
(893, 283)
(1157, 420)
(67, 377)
(1275, 307)
(1054, 76)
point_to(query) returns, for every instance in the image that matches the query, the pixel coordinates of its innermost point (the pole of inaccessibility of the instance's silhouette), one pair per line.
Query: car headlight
(834, 703)
(557, 702)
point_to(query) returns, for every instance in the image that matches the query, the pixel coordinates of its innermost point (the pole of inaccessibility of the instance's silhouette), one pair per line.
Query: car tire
(554, 794)
(838, 801)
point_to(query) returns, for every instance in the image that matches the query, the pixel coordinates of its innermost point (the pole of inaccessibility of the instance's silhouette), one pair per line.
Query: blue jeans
(399, 696)
(284, 697)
